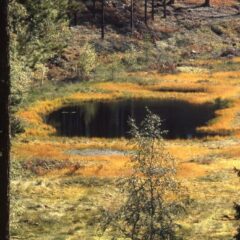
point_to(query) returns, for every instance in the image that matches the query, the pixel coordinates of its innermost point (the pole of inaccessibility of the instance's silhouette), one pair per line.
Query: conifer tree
(39, 29)
(146, 211)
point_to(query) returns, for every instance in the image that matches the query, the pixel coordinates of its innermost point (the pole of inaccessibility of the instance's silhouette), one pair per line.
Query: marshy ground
(57, 190)
(59, 182)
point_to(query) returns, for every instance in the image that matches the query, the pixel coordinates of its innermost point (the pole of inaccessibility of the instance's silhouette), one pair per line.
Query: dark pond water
(180, 90)
(110, 119)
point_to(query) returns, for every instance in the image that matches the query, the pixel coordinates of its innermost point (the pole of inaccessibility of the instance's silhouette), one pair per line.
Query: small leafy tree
(20, 86)
(40, 71)
(21, 81)
(151, 192)
(115, 66)
(130, 58)
(87, 61)
(147, 48)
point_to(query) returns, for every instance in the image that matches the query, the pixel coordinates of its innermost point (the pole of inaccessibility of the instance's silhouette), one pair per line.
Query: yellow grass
(107, 166)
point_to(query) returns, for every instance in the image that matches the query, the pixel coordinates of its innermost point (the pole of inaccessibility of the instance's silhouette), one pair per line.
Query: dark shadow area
(180, 90)
(110, 119)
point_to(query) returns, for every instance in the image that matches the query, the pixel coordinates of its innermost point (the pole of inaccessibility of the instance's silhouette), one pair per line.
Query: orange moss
(224, 122)
(232, 151)
(192, 170)
(187, 152)
(100, 165)
(39, 150)
(33, 116)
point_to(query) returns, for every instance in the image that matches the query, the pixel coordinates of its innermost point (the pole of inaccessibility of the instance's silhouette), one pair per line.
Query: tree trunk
(164, 8)
(75, 14)
(103, 21)
(94, 9)
(207, 3)
(145, 8)
(153, 2)
(132, 16)
(4, 121)
(171, 2)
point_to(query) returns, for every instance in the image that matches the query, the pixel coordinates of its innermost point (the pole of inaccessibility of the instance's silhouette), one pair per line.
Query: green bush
(20, 81)
(87, 61)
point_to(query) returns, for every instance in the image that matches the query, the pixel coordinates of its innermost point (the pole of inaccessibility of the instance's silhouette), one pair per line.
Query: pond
(110, 119)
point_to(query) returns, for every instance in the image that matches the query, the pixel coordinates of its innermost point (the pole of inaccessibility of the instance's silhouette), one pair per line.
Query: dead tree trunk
(131, 16)
(75, 17)
(153, 2)
(145, 10)
(94, 9)
(207, 3)
(103, 21)
(171, 2)
(4, 121)
(164, 8)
